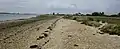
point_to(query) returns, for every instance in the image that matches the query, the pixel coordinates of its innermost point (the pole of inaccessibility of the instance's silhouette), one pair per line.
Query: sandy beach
(57, 33)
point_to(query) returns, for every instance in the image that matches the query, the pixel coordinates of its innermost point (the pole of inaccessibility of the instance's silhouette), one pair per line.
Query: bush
(98, 14)
(111, 29)
(91, 19)
(78, 20)
(91, 23)
(74, 18)
(84, 22)
(98, 20)
(103, 21)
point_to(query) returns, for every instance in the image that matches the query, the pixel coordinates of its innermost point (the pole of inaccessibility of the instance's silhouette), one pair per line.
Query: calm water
(11, 16)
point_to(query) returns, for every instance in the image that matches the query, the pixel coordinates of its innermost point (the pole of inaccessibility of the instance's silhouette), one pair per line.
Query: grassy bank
(20, 22)
(84, 20)
(113, 27)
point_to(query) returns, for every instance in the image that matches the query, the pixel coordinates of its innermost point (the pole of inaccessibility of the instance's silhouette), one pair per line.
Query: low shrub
(103, 21)
(90, 19)
(111, 29)
(67, 17)
(74, 18)
(98, 20)
(91, 23)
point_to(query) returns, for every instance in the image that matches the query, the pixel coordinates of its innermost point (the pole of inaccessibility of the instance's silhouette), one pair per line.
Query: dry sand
(57, 33)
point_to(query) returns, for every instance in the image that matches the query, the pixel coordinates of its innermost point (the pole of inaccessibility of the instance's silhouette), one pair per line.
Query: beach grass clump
(75, 18)
(112, 29)
(90, 19)
(91, 23)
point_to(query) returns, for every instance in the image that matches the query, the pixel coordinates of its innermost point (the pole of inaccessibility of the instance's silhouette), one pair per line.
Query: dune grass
(113, 27)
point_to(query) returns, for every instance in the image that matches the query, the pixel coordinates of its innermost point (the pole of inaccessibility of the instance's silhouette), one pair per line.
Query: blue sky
(63, 6)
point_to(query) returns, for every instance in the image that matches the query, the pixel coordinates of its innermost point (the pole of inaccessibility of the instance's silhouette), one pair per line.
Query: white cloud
(42, 6)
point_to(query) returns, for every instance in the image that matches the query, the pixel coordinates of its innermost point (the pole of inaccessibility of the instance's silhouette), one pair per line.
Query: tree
(88, 14)
(79, 13)
(53, 13)
(98, 14)
(95, 14)
(119, 14)
(101, 13)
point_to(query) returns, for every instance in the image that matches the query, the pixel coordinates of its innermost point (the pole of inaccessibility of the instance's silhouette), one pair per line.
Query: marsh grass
(85, 20)
(25, 21)
(113, 27)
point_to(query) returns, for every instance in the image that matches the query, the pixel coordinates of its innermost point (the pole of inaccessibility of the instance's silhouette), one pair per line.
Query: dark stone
(34, 46)
(10, 42)
(37, 29)
(46, 31)
(93, 34)
(3, 28)
(69, 35)
(46, 35)
(4, 42)
(101, 32)
(49, 28)
(40, 37)
(75, 45)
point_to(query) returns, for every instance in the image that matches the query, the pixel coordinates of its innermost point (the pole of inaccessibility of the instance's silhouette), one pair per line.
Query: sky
(61, 6)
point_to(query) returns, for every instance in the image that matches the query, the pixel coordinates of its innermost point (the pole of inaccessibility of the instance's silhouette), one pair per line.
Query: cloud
(45, 6)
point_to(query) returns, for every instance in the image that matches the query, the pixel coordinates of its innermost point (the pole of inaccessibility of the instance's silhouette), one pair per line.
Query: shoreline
(16, 20)
(19, 22)
(21, 17)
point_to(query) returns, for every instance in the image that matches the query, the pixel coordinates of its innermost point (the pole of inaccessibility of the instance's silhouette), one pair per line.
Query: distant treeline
(18, 13)
(92, 14)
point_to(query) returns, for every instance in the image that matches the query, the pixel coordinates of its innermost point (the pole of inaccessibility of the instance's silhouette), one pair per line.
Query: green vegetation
(111, 29)
(98, 14)
(25, 21)
(94, 18)
(91, 23)
(84, 20)
(110, 20)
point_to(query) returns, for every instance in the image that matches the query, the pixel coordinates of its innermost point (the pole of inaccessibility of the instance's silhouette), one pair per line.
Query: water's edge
(6, 17)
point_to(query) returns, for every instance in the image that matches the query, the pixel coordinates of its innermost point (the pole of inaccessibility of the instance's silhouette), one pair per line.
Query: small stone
(45, 34)
(46, 31)
(42, 36)
(49, 28)
(34, 46)
(4, 42)
(37, 29)
(75, 44)
(101, 32)
(69, 35)
(38, 38)
(10, 42)
(93, 34)
(3, 28)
